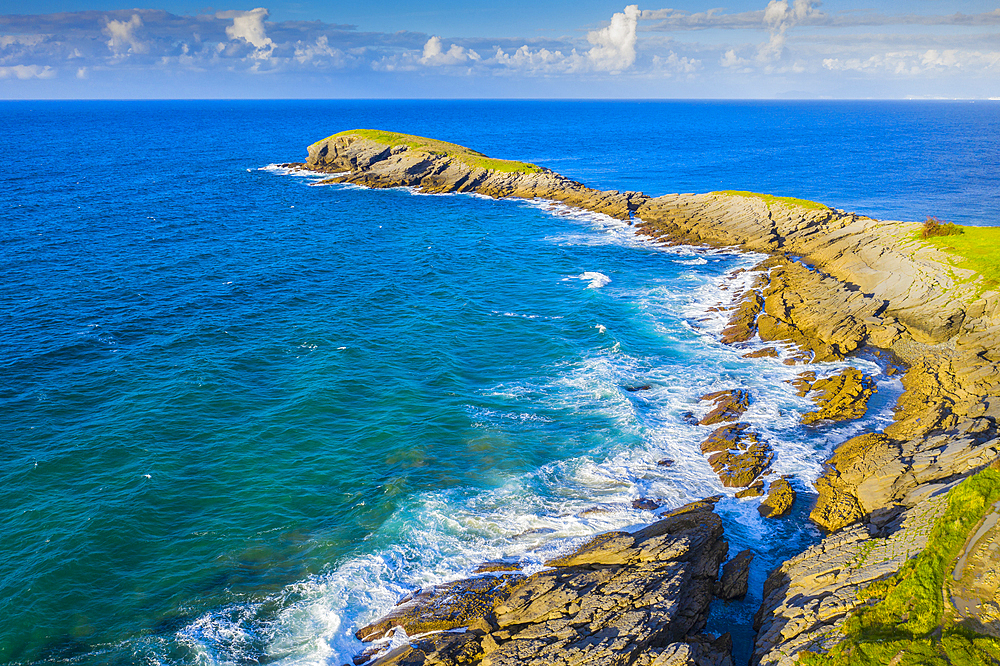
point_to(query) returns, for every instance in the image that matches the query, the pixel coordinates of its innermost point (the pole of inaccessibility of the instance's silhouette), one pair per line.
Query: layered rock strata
(834, 283)
(808, 598)
(621, 598)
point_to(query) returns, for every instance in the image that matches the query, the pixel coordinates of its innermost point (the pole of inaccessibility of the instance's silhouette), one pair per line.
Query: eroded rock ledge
(621, 598)
(835, 283)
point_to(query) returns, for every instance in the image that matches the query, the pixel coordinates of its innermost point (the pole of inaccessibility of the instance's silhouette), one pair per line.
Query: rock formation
(620, 598)
(834, 283)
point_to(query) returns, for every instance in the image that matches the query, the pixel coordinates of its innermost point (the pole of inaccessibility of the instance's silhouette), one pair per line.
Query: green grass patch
(976, 248)
(905, 623)
(469, 157)
(770, 199)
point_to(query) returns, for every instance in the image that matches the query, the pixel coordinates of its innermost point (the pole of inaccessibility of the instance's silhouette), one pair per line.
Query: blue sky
(584, 49)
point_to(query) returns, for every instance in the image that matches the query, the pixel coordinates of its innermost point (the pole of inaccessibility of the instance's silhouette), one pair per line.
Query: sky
(695, 49)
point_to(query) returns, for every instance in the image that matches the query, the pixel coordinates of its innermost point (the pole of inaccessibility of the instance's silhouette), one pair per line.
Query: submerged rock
(729, 406)
(737, 455)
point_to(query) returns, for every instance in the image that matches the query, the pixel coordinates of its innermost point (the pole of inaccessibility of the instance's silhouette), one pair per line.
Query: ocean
(244, 414)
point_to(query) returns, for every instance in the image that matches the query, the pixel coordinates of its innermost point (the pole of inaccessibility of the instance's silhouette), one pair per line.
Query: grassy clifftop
(977, 248)
(433, 146)
(771, 199)
(908, 620)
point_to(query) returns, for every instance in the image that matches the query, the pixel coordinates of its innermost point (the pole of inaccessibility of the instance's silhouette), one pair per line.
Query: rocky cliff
(835, 283)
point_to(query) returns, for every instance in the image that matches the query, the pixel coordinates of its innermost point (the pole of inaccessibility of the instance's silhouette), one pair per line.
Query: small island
(909, 569)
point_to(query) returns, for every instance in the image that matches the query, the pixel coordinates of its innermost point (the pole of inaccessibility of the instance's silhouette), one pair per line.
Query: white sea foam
(596, 280)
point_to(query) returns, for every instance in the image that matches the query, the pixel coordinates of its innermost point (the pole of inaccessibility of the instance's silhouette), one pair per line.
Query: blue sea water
(242, 415)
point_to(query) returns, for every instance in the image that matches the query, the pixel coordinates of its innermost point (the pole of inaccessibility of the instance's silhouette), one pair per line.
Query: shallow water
(244, 414)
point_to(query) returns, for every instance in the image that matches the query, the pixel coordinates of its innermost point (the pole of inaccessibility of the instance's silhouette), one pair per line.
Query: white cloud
(913, 63)
(320, 53)
(249, 26)
(435, 55)
(123, 39)
(779, 17)
(540, 60)
(614, 45)
(730, 59)
(25, 72)
(675, 64)
(81, 73)
(613, 50)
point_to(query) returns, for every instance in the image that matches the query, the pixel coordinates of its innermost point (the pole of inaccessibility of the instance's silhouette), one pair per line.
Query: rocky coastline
(834, 284)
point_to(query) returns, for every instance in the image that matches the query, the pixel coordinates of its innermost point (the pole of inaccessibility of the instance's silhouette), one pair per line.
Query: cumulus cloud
(540, 60)
(779, 17)
(612, 50)
(123, 38)
(249, 26)
(320, 53)
(614, 45)
(435, 55)
(25, 72)
(731, 60)
(672, 64)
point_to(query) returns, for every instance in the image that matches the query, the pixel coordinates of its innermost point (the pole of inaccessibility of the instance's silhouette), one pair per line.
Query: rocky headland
(914, 502)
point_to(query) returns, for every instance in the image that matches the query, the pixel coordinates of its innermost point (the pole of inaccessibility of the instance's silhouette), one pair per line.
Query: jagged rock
(739, 470)
(766, 352)
(445, 607)
(735, 577)
(736, 454)
(842, 397)
(756, 489)
(803, 383)
(862, 459)
(807, 599)
(726, 437)
(743, 323)
(780, 497)
(617, 599)
(633, 389)
(666, 462)
(729, 406)
(645, 504)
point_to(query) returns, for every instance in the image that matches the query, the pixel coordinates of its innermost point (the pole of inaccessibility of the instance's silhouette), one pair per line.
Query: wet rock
(735, 577)
(726, 437)
(766, 352)
(780, 497)
(619, 599)
(739, 470)
(497, 565)
(666, 462)
(729, 406)
(736, 454)
(689, 418)
(633, 389)
(803, 382)
(645, 504)
(842, 397)
(756, 489)
(743, 323)
(445, 607)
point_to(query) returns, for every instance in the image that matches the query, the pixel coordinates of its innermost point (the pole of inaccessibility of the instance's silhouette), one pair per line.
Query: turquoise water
(244, 414)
